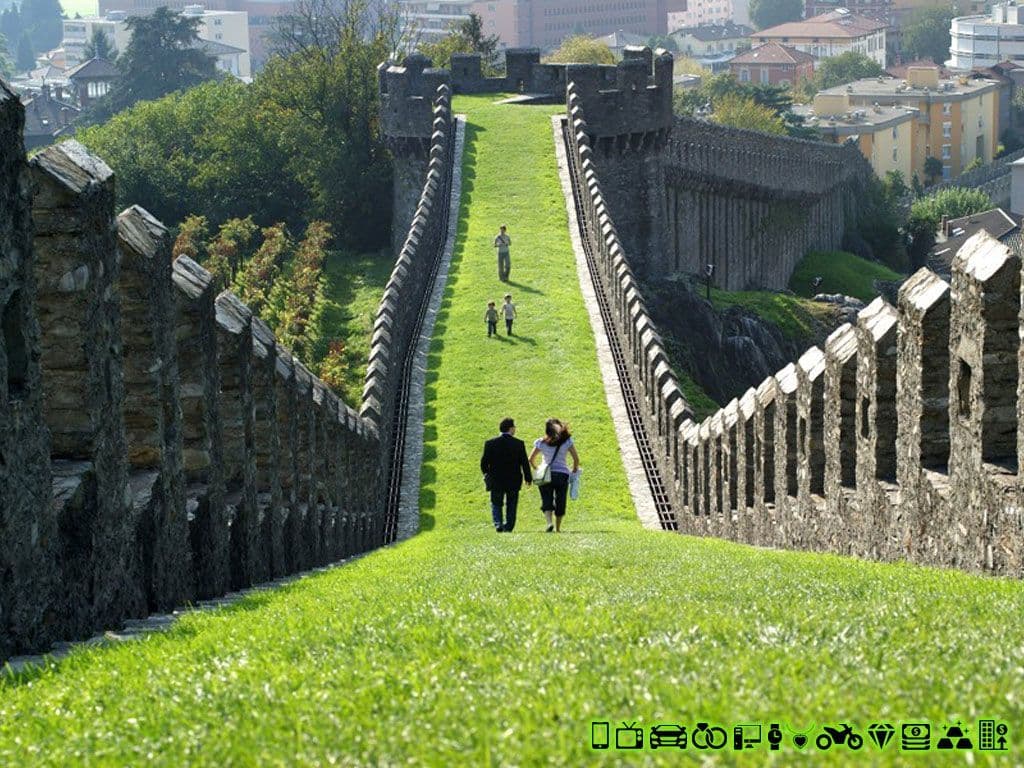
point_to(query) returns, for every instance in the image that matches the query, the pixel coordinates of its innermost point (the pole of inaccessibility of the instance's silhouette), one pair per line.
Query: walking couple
(506, 467)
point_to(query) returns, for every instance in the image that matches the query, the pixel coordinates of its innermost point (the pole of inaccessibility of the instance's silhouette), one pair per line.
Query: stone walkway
(631, 461)
(412, 461)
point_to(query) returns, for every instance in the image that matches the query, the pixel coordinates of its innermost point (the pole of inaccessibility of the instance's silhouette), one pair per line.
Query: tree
(927, 35)
(932, 168)
(441, 52)
(580, 49)
(10, 24)
(928, 212)
(769, 13)
(159, 59)
(740, 112)
(472, 30)
(654, 42)
(845, 68)
(25, 59)
(44, 22)
(99, 46)
(6, 65)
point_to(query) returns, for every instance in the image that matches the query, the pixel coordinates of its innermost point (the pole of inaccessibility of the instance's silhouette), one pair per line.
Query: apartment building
(263, 17)
(222, 34)
(830, 34)
(772, 64)
(988, 39)
(883, 134)
(539, 23)
(956, 119)
(698, 12)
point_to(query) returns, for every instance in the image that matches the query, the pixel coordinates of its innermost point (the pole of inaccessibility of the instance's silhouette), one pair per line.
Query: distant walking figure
(505, 469)
(553, 447)
(491, 316)
(502, 243)
(509, 310)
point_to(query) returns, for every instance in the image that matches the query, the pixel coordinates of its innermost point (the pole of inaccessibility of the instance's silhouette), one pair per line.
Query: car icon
(668, 735)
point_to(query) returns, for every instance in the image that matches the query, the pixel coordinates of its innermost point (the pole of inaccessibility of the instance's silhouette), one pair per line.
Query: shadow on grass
(524, 288)
(524, 339)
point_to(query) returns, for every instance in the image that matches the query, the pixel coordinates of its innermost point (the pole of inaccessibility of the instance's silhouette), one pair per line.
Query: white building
(223, 34)
(985, 40)
(710, 12)
(830, 34)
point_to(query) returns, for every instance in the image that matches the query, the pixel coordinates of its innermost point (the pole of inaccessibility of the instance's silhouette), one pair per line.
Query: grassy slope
(465, 647)
(794, 316)
(355, 283)
(841, 272)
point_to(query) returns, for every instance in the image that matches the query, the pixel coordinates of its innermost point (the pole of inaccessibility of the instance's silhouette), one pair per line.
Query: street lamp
(709, 271)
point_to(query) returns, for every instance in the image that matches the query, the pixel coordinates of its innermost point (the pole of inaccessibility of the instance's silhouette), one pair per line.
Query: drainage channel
(633, 403)
(401, 411)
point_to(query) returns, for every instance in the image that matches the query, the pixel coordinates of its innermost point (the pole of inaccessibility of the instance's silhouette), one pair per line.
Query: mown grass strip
(465, 647)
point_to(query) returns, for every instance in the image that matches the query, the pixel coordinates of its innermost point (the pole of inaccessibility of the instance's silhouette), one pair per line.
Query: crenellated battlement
(158, 445)
(900, 439)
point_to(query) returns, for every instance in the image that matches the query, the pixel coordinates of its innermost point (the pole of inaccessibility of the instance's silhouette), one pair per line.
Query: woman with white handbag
(552, 474)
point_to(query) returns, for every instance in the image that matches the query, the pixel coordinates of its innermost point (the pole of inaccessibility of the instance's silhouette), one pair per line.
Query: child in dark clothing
(491, 316)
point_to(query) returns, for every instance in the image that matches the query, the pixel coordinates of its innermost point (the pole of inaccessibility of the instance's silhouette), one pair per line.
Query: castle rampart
(157, 445)
(900, 439)
(399, 308)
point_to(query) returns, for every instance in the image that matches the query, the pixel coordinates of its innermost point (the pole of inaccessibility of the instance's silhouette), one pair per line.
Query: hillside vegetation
(465, 647)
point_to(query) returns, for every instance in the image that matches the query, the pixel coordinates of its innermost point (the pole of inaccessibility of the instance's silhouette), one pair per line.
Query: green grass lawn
(465, 647)
(841, 272)
(355, 283)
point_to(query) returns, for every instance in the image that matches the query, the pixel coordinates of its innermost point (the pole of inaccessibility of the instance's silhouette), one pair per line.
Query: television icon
(629, 736)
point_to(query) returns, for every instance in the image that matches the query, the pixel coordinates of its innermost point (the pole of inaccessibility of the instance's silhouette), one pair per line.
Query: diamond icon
(881, 734)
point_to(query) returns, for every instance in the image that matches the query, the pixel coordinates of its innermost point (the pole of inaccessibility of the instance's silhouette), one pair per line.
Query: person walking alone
(553, 447)
(505, 470)
(502, 243)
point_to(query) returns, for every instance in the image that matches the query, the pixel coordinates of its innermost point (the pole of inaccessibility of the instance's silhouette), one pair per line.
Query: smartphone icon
(599, 735)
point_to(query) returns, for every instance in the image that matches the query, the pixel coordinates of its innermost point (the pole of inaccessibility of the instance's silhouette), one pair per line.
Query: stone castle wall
(751, 204)
(157, 444)
(899, 440)
(398, 311)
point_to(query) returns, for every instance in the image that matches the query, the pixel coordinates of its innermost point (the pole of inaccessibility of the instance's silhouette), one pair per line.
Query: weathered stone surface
(151, 407)
(199, 387)
(28, 527)
(81, 361)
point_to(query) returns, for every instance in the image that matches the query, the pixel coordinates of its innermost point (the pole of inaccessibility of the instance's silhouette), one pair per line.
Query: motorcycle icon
(839, 736)
(705, 737)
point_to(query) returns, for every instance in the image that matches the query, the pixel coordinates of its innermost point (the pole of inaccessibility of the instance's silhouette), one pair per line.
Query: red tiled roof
(831, 24)
(772, 53)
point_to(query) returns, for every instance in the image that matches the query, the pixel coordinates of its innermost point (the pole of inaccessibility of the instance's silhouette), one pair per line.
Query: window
(946, 151)
(947, 108)
(947, 172)
(744, 75)
(895, 133)
(765, 75)
(217, 22)
(894, 158)
(947, 130)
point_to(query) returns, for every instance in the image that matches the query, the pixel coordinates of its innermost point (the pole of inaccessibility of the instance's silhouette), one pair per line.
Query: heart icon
(800, 740)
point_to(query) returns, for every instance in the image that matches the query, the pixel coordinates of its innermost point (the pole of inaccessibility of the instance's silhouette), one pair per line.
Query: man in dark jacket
(505, 468)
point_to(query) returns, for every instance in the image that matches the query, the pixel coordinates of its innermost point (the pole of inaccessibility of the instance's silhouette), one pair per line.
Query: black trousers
(508, 327)
(554, 494)
(511, 502)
